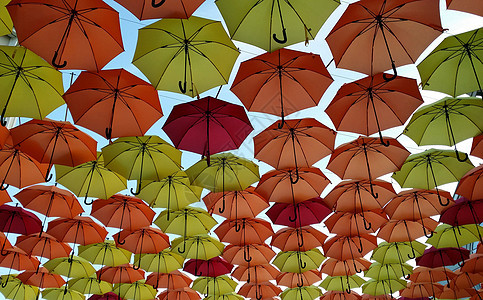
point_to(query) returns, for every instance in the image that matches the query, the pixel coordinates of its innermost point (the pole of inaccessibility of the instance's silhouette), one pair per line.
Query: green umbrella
(188, 221)
(16, 289)
(165, 261)
(274, 24)
(398, 253)
(298, 261)
(106, 253)
(341, 283)
(62, 294)
(90, 285)
(431, 168)
(301, 293)
(201, 246)
(455, 67)
(380, 271)
(188, 56)
(383, 287)
(214, 286)
(446, 122)
(138, 290)
(446, 235)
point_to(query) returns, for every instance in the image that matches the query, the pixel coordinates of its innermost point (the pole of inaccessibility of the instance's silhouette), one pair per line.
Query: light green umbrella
(62, 294)
(380, 271)
(397, 252)
(16, 289)
(185, 222)
(383, 287)
(72, 267)
(446, 235)
(341, 283)
(298, 261)
(301, 293)
(6, 23)
(188, 56)
(214, 286)
(446, 122)
(90, 285)
(106, 253)
(455, 66)
(138, 290)
(201, 246)
(229, 296)
(165, 261)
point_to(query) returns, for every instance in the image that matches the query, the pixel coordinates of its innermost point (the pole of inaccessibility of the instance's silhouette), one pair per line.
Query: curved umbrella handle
(465, 157)
(154, 4)
(300, 281)
(280, 125)
(303, 264)
(138, 189)
(58, 66)
(407, 276)
(87, 203)
(182, 87)
(385, 144)
(4, 186)
(119, 241)
(375, 195)
(391, 77)
(361, 249)
(297, 177)
(3, 121)
(247, 257)
(367, 225)
(4, 284)
(237, 226)
(222, 209)
(48, 177)
(184, 247)
(282, 41)
(258, 294)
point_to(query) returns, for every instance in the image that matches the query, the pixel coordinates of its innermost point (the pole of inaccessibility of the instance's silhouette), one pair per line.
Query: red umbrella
(470, 185)
(113, 103)
(15, 258)
(442, 257)
(308, 212)
(171, 281)
(240, 255)
(70, 34)
(477, 146)
(259, 273)
(464, 212)
(236, 204)
(106, 296)
(207, 126)
(54, 142)
(244, 231)
(345, 247)
(143, 240)
(213, 267)
(293, 280)
(152, 9)
(15, 219)
(349, 267)
(347, 223)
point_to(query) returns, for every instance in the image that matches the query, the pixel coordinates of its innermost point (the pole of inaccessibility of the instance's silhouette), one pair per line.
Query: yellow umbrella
(16, 289)
(6, 23)
(383, 287)
(62, 294)
(90, 285)
(214, 286)
(186, 222)
(298, 261)
(137, 290)
(201, 246)
(72, 267)
(341, 283)
(106, 253)
(165, 261)
(301, 293)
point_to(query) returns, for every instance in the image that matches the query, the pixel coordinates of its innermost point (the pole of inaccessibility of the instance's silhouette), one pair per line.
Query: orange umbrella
(77, 230)
(244, 231)
(259, 290)
(281, 82)
(421, 290)
(349, 267)
(465, 280)
(238, 204)
(430, 275)
(466, 6)
(405, 230)
(69, 34)
(264, 272)
(123, 212)
(470, 185)
(54, 142)
(255, 254)
(120, 274)
(152, 9)
(185, 293)
(298, 239)
(474, 264)
(43, 245)
(113, 103)
(294, 143)
(372, 104)
(171, 281)
(4, 197)
(19, 169)
(41, 278)
(373, 36)
(477, 146)
(293, 280)
(16, 258)
(345, 247)
(143, 240)
(455, 293)
(367, 158)
(5, 242)
(347, 223)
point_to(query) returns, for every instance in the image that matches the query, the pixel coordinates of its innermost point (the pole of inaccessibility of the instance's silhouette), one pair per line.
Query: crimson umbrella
(213, 267)
(308, 212)
(464, 212)
(442, 257)
(207, 126)
(15, 219)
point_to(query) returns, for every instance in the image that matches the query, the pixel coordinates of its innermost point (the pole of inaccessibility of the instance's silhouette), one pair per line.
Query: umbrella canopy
(186, 222)
(71, 267)
(350, 224)
(463, 212)
(207, 126)
(466, 6)
(27, 82)
(185, 56)
(244, 231)
(105, 253)
(430, 275)
(89, 285)
(213, 267)
(294, 143)
(77, 230)
(68, 34)
(303, 293)
(477, 146)
(253, 254)
(298, 261)
(383, 287)
(256, 273)
(41, 278)
(164, 261)
(120, 274)
(274, 24)
(200, 246)
(214, 285)
(238, 204)
(113, 103)
(292, 280)
(171, 281)
(149, 9)
(262, 290)
(405, 230)
(341, 283)
(349, 267)
(281, 82)
(380, 271)
(308, 212)
(15, 219)
(43, 245)
(184, 293)
(16, 289)
(300, 238)
(397, 252)
(434, 257)
(6, 24)
(345, 247)
(142, 240)
(59, 293)
(454, 66)
(373, 36)
(469, 186)
(136, 290)
(446, 235)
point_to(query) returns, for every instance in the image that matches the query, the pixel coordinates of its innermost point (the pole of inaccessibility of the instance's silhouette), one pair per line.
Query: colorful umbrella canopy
(105, 253)
(469, 186)
(43, 245)
(77, 230)
(71, 267)
(477, 146)
(213, 267)
(275, 24)
(345, 247)
(380, 271)
(184, 293)
(303, 293)
(186, 222)
(298, 239)
(6, 24)
(120, 274)
(185, 56)
(201, 246)
(298, 261)
(113, 103)
(256, 273)
(405, 230)
(238, 204)
(207, 126)
(136, 290)
(28, 81)
(293, 280)
(214, 285)
(466, 6)
(68, 34)
(349, 267)
(142, 240)
(383, 287)
(16, 289)
(341, 283)
(434, 257)
(373, 36)
(59, 293)
(244, 231)
(397, 252)
(164, 261)
(463, 212)
(446, 235)
(262, 290)
(41, 278)
(171, 281)
(308, 212)
(349, 224)
(15, 219)
(149, 9)
(254, 254)
(89, 285)
(281, 82)
(454, 66)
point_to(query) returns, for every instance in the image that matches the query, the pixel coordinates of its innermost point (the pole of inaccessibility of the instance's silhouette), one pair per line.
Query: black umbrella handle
(154, 4)
(283, 40)
(54, 58)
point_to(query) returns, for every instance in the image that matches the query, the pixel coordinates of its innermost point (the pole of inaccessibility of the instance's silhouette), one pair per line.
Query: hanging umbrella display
(421, 290)
(171, 281)
(105, 254)
(106, 296)
(464, 212)
(207, 126)
(43, 245)
(373, 36)
(14, 219)
(292, 280)
(185, 56)
(397, 252)
(143, 240)
(142, 158)
(449, 293)
(469, 186)
(431, 275)
(349, 224)
(345, 247)
(281, 82)
(186, 222)
(442, 257)
(274, 24)
(446, 235)
(406, 230)
(238, 204)
(68, 34)
(164, 261)
(90, 179)
(304, 213)
(213, 267)
(77, 230)
(113, 103)
(172, 192)
(149, 9)
(200, 246)
(27, 82)
(120, 274)
(336, 295)
(294, 143)
(466, 6)
(16, 259)
(255, 254)
(380, 271)
(465, 280)
(372, 104)
(437, 123)
(454, 66)
(54, 142)
(41, 278)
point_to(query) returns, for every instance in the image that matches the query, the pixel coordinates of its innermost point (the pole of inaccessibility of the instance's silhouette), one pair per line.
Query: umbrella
(348, 223)
(164, 261)
(71, 267)
(213, 267)
(372, 36)
(465, 280)
(298, 239)
(41, 278)
(259, 291)
(431, 168)
(123, 212)
(68, 34)
(345, 247)
(142, 158)
(238, 204)
(172, 192)
(349, 267)
(113, 103)
(6, 24)
(275, 24)
(54, 142)
(437, 123)
(120, 274)
(188, 56)
(259, 273)
(201, 246)
(90, 179)
(382, 287)
(293, 280)
(142, 240)
(184, 293)
(77, 230)
(294, 143)
(308, 212)
(454, 66)
(474, 264)
(430, 275)
(16, 259)
(302, 293)
(89, 285)
(27, 82)
(171, 281)
(406, 230)
(254, 254)
(336, 295)
(149, 9)
(464, 212)
(281, 82)
(106, 296)
(43, 245)
(15, 219)
(397, 252)
(298, 261)
(186, 222)
(477, 146)
(469, 186)
(16, 289)
(449, 293)
(372, 104)
(137, 290)
(244, 231)
(367, 158)
(207, 126)
(442, 257)
(214, 285)
(466, 6)
(60, 293)
(105, 253)
(446, 235)
(380, 271)
(341, 283)
(421, 291)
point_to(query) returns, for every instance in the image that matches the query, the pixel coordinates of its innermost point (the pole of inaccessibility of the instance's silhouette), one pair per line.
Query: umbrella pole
(246, 253)
(428, 158)
(302, 264)
(400, 258)
(371, 97)
(352, 256)
(444, 267)
(410, 242)
(223, 162)
(292, 134)
(375, 195)
(111, 119)
(207, 115)
(47, 177)
(367, 225)
(89, 184)
(284, 30)
(421, 216)
(182, 85)
(358, 235)
(6, 236)
(293, 200)
(235, 198)
(4, 284)
(462, 262)
(73, 13)
(393, 65)
(120, 224)
(169, 196)
(348, 291)
(475, 218)
(140, 252)
(2, 117)
(138, 190)
(48, 210)
(282, 114)
(4, 186)
(450, 129)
